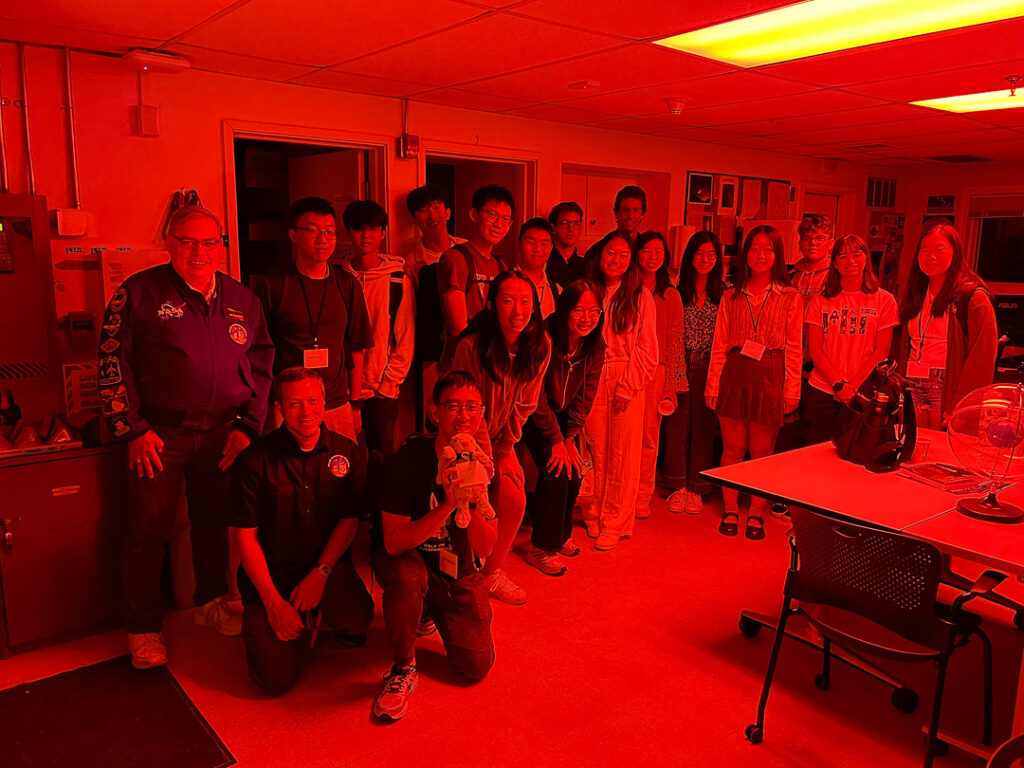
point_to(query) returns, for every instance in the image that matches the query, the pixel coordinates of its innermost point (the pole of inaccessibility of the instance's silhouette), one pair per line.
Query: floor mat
(107, 715)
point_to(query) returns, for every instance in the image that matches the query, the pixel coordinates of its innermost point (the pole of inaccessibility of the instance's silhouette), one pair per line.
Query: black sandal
(755, 527)
(729, 527)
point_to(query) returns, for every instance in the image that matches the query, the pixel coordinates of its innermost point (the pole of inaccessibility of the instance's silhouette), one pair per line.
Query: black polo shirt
(561, 272)
(294, 499)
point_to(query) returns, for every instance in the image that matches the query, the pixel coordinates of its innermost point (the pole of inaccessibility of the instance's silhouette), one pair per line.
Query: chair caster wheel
(753, 733)
(749, 627)
(823, 682)
(904, 699)
(1018, 620)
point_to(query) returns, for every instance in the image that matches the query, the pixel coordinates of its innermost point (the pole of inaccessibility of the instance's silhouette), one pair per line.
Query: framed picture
(941, 204)
(700, 187)
(727, 194)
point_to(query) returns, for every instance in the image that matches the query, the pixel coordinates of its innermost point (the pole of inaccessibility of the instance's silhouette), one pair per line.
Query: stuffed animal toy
(469, 471)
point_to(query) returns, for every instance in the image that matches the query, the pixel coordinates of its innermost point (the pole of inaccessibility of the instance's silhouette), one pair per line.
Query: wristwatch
(324, 568)
(838, 386)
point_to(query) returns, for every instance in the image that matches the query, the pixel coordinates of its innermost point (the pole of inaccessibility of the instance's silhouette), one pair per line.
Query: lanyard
(751, 309)
(309, 310)
(926, 307)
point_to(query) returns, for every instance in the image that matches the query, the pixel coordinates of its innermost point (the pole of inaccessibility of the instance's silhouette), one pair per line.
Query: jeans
(688, 435)
(555, 496)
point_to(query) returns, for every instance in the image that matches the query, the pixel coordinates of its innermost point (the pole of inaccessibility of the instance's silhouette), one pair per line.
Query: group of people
(275, 408)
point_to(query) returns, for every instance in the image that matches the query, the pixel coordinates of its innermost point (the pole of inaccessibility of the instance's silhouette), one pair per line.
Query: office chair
(1009, 754)
(875, 592)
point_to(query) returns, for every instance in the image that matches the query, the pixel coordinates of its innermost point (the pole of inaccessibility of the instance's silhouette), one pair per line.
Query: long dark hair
(833, 282)
(624, 311)
(662, 280)
(688, 275)
(492, 351)
(779, 274)
(959, 276)
(558, 323)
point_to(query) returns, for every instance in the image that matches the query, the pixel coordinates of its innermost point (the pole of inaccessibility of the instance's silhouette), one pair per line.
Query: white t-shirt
(927, 340)
(851, 322)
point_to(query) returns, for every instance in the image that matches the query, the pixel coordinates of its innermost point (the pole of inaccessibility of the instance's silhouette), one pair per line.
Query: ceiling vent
(962, 159)
(881, 192)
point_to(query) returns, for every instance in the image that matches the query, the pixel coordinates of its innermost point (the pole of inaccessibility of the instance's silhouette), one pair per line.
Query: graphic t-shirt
(850, 322)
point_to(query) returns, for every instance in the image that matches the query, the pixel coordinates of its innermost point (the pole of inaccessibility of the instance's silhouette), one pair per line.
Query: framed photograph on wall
(699, 188)
(727, 195)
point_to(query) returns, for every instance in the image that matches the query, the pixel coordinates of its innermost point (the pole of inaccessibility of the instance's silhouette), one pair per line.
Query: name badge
(918, 370)
(314, 358)
(752, 349)
(449, 563)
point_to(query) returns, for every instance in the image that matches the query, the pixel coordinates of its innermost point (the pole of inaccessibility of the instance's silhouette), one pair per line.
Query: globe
(986, 434)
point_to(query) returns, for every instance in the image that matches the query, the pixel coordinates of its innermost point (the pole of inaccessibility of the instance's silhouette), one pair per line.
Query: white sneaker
(502, 588)
(546, 561)
(148, 650)
(694, 504)
(676, 501)
(217, 614)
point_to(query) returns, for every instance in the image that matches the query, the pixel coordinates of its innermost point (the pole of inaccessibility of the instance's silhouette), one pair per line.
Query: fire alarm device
(408, 146)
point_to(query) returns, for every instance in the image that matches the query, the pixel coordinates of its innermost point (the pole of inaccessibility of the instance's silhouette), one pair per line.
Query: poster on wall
(728, 194)
(885, 241)
(700, 186)
(940, 204)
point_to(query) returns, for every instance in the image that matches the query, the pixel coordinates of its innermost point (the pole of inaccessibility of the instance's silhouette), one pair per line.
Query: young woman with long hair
(849, 331)
(754, 374)
(616, 423)
(554, 431)
(948, 341)
(506, 348)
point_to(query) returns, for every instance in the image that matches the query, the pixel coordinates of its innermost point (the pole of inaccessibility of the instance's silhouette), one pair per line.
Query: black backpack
(878, 427)
(429, 316)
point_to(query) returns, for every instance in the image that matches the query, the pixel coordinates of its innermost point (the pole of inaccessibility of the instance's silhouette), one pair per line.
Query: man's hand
(574, 458)
(559, 461)
(712, 401)
(846, 393)
(306, 596)
(144, 454)
(284, 619)
(237, 442)
(620, 404)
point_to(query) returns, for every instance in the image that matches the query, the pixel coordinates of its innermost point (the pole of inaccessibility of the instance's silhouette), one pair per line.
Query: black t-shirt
(294, 499)
(333, 310)
(412, 491)
(561, 272)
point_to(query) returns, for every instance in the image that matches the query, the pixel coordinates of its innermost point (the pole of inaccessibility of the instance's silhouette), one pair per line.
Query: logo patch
(117, 301)
(120, 427)
(238, 333)
(110, 345)
(338, 465)
(113, 324)
(168, 311)
(109, 372)
(114, 401)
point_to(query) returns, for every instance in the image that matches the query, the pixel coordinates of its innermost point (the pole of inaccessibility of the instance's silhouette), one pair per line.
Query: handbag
(878, 426)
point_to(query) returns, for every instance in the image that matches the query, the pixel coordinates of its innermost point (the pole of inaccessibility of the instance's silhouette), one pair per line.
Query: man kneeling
(293, 519)
(420, 556)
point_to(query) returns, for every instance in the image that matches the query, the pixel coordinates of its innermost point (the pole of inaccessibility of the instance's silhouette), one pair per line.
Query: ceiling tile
(709, 91)
(980, 44)
(936, 85)
(343, 81)
(864, 134)
(696, 134)
(836, 119)
(617, 69)
(630, 124)
(83, 39)
(559, 112)
(642, 21)
(964, 138)
(1009, 117)
(235, 64)
(154, 19)
(812, 102)
(455, 97)
(326, 34)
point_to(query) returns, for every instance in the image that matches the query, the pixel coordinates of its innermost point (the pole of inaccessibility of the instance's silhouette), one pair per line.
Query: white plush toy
(469, 471)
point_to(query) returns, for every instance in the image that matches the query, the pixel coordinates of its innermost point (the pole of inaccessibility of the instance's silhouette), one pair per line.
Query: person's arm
(527, 397)
(883, 341)
(719, 349)
(580, 406)
(982, 347)
(816, 349)
(481, 534)
(643, 357)
(675, 363)
(452, 274)
(358, 334)
(260, 358)
(402, 533)
(310, 590)
(794, 351)
(400, 357)
(545, 420)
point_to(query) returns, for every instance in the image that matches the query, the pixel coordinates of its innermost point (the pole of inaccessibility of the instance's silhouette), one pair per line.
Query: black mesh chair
(874, 592)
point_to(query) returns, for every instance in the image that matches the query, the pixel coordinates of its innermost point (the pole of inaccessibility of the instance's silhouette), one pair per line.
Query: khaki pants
(652, 433)
(616, 440)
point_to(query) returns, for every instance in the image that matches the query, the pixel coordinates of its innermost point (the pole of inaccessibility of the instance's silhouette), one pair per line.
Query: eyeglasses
(815, 238)
(579, 313)
(193, 245)
(454, 407)
(315, 232)
(569, 223)
(496, 218)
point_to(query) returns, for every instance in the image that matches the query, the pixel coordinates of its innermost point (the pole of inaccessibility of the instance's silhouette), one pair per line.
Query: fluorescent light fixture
(975, 102)
(822, 26)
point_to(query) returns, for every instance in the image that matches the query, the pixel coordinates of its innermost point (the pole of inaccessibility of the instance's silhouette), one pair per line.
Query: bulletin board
(718, 203)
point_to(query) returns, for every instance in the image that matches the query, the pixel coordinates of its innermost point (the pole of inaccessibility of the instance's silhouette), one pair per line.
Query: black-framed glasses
(496, 218)
(315, 232)
(569, 223)
(193, 245)
(579, 313)
(815, 238)
(454, 407)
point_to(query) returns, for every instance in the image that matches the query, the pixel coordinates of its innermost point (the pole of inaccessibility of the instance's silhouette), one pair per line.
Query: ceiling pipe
(24, 114)
(76, 199)
(4, 184)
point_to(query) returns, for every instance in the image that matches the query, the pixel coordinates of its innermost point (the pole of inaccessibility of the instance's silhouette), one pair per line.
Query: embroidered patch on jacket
(238, 333)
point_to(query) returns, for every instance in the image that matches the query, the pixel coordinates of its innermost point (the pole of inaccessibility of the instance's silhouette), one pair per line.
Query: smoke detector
(675, 105)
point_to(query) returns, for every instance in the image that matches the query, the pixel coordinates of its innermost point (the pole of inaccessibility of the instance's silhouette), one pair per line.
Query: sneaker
(606, 541)
(677, 501)
(393, 699)
(780, 510)
(593, 529)
(218, 614)
(694, 504)
(148, 650)
(570, 548)
(643, 511)
(426, 626)
(504, 590)
(546, 561)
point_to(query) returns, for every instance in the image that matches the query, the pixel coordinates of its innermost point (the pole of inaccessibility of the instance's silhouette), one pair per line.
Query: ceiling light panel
(976, 102)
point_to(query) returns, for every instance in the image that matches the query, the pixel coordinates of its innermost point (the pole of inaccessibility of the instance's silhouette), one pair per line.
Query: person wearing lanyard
(948, 341)
(534, 251)
(317, 315)
(754, 372)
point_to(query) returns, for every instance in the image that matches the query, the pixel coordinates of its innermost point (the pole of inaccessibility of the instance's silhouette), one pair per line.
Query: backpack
(395, 292)
(878, 427)
(429, 316)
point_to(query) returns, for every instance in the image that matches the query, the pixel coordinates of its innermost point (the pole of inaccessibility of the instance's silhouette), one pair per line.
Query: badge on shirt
(449, 563)
(117, 301)
(238, 334)
(235, 314)
(752, 349)
(169, 311)
(314, 358)
(110, 345)
(113, 324)
(338, 465)
(120, 427)
(109, 372)
(918, 370)
(114, 401)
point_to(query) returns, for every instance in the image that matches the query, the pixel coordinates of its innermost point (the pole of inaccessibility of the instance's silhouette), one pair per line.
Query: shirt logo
(338, 465)
(238, 334)
(168, 311)
(109, 372)
(110, 345)
(118, 300)
(113, 324)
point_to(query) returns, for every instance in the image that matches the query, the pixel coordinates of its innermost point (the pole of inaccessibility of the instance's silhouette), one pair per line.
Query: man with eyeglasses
(565, 264)
(316, 313)
(810, 272)
(184, 372)
(466, 270)
(421, 556)
(534, 253)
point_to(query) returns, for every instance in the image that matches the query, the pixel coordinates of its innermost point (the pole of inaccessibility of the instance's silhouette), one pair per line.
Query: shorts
(927, 393)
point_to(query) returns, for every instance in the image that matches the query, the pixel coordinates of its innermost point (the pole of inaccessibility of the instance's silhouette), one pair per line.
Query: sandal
(755, 527)
(730, 524)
